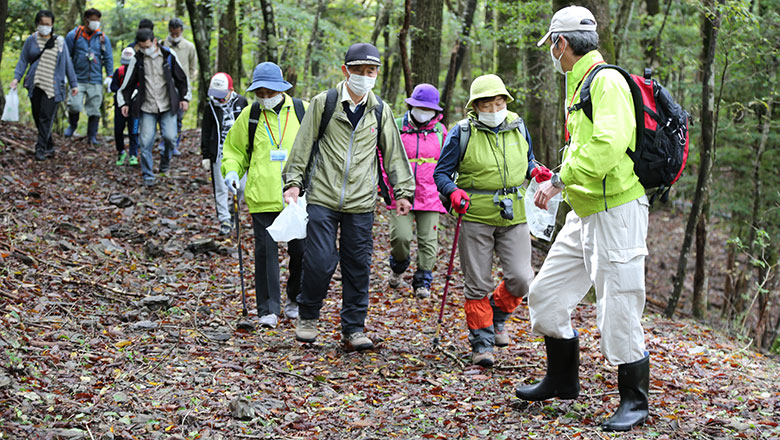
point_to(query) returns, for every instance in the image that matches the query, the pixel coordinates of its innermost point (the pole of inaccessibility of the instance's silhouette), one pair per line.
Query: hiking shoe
(225, 228)
(49, 153)
(358, 341)
(483, 359)
(176, 151)
(306, 330)
(268, 321)
(422, 292)
(40, 155)
(69, 131)
(121, 159)
(149, 183)
(502, 338)
(133, 161)
(395, 280)
(291, 310)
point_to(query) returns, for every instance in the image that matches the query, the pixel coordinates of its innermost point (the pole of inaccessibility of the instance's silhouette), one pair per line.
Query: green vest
(493, 161)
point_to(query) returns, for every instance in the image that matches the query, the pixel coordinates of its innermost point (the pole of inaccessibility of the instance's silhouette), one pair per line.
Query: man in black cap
(340, 174)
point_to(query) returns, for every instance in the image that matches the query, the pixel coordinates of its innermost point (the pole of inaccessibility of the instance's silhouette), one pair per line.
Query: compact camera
(507, 211)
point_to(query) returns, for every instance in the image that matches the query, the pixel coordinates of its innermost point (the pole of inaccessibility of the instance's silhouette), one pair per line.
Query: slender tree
(201, 22)
(269, 32)
(600, 10)
(457, 55)
(709, 30)
(227, 45)
(403, 49)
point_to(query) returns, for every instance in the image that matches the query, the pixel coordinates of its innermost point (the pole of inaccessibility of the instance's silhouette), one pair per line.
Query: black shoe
(562, 378)
(633, 384)
(93, 123)
(40, 154)
(49, 153)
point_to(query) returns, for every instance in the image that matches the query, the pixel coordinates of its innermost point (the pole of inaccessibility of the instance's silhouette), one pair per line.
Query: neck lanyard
(566, 122)
(271, 135)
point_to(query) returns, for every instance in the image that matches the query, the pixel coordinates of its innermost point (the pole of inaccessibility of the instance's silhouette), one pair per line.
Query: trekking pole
(449, 275)
(240, 258)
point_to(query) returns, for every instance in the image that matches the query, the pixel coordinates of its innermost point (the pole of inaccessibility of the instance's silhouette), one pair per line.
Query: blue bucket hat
(269, 76)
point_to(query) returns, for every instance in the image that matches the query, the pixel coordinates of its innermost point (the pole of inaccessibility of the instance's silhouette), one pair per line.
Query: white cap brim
(544, 39)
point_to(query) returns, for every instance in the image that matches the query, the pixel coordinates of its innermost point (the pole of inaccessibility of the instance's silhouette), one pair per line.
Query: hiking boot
(49, 153)
(133, 161)
(93, 123)
(358, 341)
(484, 359)
(633, 384)
(395, 280)
(225, 228)
(306, 330)
(502, 338)
(121, 160)
(291, 310)
(40, 154)
(422, 292)
(269, 321)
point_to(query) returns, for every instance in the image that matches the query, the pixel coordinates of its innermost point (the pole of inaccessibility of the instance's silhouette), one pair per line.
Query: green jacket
(596, 169)
(493, 161)
(344, 177)
(263, 191)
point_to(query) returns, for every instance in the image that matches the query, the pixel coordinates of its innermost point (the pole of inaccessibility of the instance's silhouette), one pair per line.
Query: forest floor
(121, 323)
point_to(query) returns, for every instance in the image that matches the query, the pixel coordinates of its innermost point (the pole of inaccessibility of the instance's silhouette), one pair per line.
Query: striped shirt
(44, 75)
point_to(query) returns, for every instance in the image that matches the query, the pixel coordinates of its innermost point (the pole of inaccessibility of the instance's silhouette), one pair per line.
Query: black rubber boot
(92, 128)
(73, 122)
(633, 384)
(562, 379)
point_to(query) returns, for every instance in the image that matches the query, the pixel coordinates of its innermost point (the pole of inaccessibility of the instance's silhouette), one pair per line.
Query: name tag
(278, 155)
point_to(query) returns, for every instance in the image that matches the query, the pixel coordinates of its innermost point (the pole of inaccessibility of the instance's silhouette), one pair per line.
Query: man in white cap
(602, 243)
(340, 174)
(258, 145)
(224, 107)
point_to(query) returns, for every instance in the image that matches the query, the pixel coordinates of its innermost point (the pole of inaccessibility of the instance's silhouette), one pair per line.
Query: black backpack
(331, 99)
(254, 119)
(661, 130)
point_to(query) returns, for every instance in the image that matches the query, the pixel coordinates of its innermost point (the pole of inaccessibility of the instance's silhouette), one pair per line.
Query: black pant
(43, 109)
(120, 122)
(267, 288)
(321, 257)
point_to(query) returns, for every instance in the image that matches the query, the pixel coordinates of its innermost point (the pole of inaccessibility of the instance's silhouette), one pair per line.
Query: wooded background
(719, 59)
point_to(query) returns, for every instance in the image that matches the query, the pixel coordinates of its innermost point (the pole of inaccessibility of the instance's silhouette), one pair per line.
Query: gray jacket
(64, 67)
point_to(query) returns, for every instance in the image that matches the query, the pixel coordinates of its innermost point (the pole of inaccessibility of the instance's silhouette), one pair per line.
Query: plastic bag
(541, 222)
(11, 110)
(290, 224)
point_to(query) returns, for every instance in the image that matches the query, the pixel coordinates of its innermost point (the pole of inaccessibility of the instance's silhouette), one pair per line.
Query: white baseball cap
(220, 86)
(127, 53)
(570, 18)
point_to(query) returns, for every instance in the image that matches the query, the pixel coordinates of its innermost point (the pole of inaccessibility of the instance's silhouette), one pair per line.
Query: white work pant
(606, 250)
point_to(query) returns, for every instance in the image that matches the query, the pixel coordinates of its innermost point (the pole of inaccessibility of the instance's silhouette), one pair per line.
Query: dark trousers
(43, 109)
(321, 257)
(267, 288)
(120, 122)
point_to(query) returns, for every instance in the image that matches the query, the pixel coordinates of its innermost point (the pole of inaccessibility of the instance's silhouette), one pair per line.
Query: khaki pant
(512, 245)
(606, 250)
(401, 235)
(90, 96)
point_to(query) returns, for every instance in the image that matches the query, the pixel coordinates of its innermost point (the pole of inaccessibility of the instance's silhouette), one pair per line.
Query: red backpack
(661, 130)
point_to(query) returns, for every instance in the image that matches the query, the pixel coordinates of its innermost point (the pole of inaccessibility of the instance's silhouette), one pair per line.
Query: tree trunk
(456, 57)
(651, 49)
(710, 26)
(239, 67)
(382, 19)
(507, 60)
(309, 68)
(600, 10)
(622, 23)
(227, 46)
(269, 30)
(201, 21)
(403, 49)
(426, 41)
(3, 18)
(701, 279)
(181, 8)
(75, 14)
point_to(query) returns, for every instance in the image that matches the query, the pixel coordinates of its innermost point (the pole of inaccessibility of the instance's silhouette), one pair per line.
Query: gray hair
(581, 42)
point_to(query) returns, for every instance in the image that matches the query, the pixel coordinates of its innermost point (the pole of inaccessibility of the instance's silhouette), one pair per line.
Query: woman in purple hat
(423, 136)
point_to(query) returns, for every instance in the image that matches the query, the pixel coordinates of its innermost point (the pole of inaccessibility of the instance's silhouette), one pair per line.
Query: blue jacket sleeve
(448, 163)
(70, 72)
(531, 158)
(108, 57)
(70, 40)
(24, 61)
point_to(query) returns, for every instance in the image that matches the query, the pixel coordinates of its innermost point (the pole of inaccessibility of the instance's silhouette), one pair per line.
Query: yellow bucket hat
(487, 86)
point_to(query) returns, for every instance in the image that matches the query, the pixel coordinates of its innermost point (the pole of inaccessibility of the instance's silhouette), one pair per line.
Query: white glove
(206, 164)
(231, 181)
(107, 82)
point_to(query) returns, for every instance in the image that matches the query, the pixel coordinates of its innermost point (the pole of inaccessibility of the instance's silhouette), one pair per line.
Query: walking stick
(449, 275)
(240, 258)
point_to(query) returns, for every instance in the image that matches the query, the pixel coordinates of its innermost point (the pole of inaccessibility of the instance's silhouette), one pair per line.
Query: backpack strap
(299, 110)
(439, 129)
(465, 135)
(384, 191)
(331, 97)
(254, 119)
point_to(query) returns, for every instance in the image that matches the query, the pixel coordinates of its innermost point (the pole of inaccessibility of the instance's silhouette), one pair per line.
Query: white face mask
(176, 39)
(492, 119)
(271, 103)
(94, 25)
(149, 51)
(422, 115)
(360, 85)
(557, 61)
(44, 30)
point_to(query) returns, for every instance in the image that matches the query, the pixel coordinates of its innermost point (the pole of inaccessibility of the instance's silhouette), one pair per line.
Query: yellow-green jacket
(263, 191)
(596, 169)
(344, 176)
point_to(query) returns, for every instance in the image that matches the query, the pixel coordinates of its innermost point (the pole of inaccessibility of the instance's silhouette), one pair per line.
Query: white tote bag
(11, 109)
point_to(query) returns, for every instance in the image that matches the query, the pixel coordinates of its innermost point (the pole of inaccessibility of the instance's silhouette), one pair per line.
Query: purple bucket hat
(426, 96)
